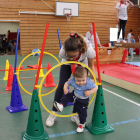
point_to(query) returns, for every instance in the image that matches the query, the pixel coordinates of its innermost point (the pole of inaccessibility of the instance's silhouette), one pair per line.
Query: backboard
(63, 8)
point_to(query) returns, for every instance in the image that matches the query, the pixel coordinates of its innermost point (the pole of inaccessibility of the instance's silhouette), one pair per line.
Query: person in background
(131, 49)
(121, 13)
(89, 36)
(129, 36)
(12, 45)
(4, 44)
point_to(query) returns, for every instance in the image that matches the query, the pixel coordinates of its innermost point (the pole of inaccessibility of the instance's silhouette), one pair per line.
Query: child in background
(83, 88)
(131, 49)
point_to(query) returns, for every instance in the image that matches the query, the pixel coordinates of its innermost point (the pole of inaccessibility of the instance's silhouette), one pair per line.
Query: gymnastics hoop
(39, 86)
(17, 73)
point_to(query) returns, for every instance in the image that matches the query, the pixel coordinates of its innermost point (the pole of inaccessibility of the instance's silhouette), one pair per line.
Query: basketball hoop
(68, 16)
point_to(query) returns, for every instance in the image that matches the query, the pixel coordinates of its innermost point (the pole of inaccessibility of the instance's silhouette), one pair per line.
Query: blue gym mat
(133, 63)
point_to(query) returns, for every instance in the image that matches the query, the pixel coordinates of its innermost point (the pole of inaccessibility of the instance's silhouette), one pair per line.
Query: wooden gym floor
(122, 108)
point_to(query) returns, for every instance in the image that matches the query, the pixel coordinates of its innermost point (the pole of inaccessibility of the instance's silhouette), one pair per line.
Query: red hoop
(68, 16)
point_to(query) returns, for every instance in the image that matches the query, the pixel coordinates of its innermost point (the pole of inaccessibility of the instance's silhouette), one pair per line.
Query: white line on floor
(30, 77)
(122, 97)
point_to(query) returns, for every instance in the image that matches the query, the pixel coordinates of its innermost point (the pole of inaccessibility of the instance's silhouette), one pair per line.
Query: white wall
(5, 26)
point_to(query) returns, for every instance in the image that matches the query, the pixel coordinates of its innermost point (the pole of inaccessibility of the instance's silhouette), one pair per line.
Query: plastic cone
(35, 130)
(17, 68)
(34, 66)
(6, 72)
(99, 123)
(49, 78)
(124, 55)
(16, 104)
(10, 79)
(41, 74)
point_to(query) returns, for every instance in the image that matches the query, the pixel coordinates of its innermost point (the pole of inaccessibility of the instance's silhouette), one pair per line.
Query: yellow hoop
(39, 86)
(17, 73)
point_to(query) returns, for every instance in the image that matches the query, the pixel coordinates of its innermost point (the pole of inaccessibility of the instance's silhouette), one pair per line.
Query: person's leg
(67, 98)
(120, 26)
(123, 28)
(12, 47)
(81, 107)
(5, 48)
(131, 53)
(63, 101)
(2, 49)
(65, 73)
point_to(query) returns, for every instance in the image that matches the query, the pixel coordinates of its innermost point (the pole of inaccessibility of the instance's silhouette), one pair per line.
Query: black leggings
(3, 49)
(122, 25)
(65, 74)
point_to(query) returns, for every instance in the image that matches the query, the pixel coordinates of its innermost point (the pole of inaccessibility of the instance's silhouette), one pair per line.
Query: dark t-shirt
(12, 41)
(4, 43)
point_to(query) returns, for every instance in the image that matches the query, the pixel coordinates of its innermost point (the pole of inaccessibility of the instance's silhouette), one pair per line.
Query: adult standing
(90, 37)
(75, 48)
(121, 10)
(4, 44)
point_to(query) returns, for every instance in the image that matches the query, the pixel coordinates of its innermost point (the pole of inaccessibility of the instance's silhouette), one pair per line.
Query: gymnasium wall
(32, 27)
(4, 27)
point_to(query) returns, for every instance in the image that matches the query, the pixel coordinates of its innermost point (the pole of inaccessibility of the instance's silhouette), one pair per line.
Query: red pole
(97, 58)
(41, 55)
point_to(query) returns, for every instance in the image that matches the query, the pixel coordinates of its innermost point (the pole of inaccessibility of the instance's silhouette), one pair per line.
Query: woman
(121, 8)
(4, 44)
(90, 37)
(76, 48)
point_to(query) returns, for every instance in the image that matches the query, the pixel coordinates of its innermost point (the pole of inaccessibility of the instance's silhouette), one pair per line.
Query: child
(83, 88)
(131, 49)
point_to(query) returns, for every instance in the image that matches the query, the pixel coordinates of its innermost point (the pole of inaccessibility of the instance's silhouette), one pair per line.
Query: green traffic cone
(99, 123)
(35, 130)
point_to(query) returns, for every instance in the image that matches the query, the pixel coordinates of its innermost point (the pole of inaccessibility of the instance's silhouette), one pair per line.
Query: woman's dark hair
(75, 43)
(131, 30)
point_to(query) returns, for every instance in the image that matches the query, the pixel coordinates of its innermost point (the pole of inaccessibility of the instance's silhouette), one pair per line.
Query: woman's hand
(118, 20)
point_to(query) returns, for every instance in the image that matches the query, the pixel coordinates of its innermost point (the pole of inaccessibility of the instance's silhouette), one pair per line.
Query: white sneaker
(50, 120)
(58, 106)
(75, 119)
(118, 41)
(80, 128)
(124, 41)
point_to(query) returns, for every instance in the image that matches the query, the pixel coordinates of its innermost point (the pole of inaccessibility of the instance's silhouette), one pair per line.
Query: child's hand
(87, 93)
(66, 91)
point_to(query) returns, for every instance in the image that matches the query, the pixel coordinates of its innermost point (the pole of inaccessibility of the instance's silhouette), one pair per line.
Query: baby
(83, 88)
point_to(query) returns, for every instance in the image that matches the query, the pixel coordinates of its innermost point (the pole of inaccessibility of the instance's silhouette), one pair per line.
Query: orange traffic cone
(34, 66)
(10, 79)
(49, 78)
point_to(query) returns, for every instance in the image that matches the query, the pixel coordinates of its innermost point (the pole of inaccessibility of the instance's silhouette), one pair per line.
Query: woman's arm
(117, 12)
(91, 66)
(130, 3)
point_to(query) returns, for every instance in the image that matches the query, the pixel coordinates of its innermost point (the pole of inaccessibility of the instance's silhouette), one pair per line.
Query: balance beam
(127, 45)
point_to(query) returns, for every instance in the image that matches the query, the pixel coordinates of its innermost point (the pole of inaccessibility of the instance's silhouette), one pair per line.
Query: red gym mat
(130, 73)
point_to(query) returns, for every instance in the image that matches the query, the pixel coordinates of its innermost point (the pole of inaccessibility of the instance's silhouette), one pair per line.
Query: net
(68, 16)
